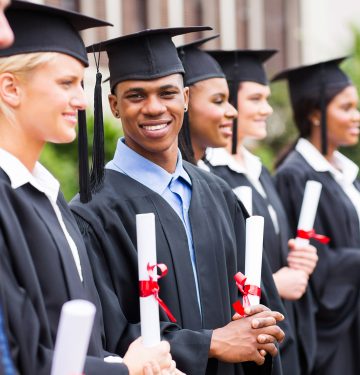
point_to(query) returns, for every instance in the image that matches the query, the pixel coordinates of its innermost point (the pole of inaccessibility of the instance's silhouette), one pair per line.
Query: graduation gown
(298, 349)
(109, 228)
(38, 275)
(336, 279)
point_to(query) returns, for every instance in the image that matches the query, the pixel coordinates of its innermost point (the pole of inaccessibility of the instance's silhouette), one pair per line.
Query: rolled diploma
(149, 307)
(72, 340)
(308, 209)
(244, 193)
(253, 253)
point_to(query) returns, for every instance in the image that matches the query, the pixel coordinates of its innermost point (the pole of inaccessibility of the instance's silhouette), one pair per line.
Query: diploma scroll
(149, 307)
(253, 253)
(308, 209)
(244, 193)
(72, 341)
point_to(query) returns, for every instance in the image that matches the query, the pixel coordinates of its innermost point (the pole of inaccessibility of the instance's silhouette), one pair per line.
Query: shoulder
(294, 167)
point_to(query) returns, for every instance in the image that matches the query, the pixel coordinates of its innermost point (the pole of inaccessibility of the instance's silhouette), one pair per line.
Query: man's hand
(248, 338)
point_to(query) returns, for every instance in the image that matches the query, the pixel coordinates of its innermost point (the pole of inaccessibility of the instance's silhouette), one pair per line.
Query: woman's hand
(302, 257)
(291, 283)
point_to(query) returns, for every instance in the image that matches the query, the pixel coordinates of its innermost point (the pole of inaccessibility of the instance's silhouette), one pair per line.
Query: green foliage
(62, 160)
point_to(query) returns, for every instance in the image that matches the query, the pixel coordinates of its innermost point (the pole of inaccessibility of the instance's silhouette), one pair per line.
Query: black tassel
(323, 125)
(98, 157)
(233, 85)
(84, 185)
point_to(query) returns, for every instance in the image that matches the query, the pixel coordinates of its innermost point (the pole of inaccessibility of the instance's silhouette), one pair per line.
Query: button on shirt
(175, 188)
(42, 180)
(343, 170)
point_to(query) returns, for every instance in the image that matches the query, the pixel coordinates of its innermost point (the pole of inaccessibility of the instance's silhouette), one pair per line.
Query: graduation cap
(144, 55)
(242, 66)
(40, 28)
(316, 78)
(198, 64)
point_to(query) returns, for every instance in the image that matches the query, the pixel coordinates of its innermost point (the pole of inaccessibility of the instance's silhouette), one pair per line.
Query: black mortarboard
(145, 55)
(242, 66)
(40, 28)
(198, 64)
(315, 78)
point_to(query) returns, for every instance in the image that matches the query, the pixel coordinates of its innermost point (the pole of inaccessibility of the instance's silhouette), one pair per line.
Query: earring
(117, 114)
(185, 109)
(316, 122)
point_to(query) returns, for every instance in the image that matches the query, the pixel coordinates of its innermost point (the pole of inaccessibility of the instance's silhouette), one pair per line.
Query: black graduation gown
(217, 220)
(38, 275)
(336, 280)
(298, 349)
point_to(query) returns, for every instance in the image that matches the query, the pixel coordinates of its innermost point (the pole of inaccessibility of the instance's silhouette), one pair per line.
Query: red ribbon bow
(245, 290)
(308, 234)
(151, 287)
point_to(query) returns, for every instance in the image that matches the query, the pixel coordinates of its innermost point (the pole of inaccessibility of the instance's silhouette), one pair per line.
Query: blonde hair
(21, 65)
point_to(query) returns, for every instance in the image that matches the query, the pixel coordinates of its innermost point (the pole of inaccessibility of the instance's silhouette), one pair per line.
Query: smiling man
(199, 222)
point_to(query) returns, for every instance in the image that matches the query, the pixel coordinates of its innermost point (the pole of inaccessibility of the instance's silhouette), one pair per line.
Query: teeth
(154, 127)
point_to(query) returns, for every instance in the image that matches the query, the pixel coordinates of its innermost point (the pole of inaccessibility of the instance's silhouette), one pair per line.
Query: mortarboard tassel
(98, 156)
(84, 185)
(233, 85)
(323, 126)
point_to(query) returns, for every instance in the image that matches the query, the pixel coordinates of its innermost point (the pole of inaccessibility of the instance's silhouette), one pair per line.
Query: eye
(136, 96)
(168, 94)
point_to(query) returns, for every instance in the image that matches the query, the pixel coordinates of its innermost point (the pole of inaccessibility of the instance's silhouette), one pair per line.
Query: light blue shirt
(175, 188)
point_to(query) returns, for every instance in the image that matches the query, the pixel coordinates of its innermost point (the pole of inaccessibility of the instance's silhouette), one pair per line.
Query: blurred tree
(62, 160)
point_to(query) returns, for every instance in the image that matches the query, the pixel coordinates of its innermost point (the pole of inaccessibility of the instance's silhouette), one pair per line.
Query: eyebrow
(141, 89)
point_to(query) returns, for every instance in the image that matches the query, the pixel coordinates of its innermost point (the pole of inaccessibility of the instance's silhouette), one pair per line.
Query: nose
(6, 34)
(153, 106)
(266, 109)
(79, 100)
(356, 115)
(231, 111)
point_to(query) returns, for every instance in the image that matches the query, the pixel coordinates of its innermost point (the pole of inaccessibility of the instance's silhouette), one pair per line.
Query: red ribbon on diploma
(308, 234)
(151, 287)
(245, 290)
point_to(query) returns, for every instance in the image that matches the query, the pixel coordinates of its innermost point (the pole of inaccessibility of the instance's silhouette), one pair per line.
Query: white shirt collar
(220, 156)
(41, 179)
(346, 169)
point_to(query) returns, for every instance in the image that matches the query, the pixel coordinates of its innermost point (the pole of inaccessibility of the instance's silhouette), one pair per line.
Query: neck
(239, 157)
(315, 140)
(199, 152)
(19, 144)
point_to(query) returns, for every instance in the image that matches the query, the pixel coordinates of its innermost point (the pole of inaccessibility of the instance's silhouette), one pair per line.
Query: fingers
(270, 314)
(263, 322)
(236, 316)
(262, 352)
(259, 358)
(266, 339)
(251, 310)
(270, 349)
(152, 368)
(274, 331)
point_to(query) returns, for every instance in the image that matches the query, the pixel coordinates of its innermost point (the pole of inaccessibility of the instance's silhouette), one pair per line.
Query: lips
(154, 127)
(71, 117)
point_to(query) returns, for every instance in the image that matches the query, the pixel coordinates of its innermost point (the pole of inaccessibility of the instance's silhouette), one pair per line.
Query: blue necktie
(5, 359)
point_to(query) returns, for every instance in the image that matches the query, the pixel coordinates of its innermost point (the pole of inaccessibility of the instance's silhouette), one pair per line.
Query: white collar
(19, 175)
(347, 169)
(221, 157)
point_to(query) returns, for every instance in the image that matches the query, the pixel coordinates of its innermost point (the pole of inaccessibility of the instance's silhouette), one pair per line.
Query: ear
(113, 101)
(315, 118)
(186, 96)
(10, 90)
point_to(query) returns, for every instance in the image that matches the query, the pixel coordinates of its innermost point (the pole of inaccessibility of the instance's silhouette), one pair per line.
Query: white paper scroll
(308, 209)
(253, 253)
(244, 193)
(72, 341)
(149, 307)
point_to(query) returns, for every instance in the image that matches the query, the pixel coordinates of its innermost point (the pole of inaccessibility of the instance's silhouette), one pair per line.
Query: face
(343, 118)
(254, 109)
(151, 113)
(51, 96)
(210, 114)
(6, 34)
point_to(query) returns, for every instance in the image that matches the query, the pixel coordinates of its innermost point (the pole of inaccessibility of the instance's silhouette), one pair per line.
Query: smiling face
(254, 109)
(51, 96)
(210, 115)
(151, 113)
(343, 119)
